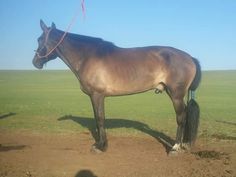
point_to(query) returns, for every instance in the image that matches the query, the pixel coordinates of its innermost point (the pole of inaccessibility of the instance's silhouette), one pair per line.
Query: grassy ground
(40, 101)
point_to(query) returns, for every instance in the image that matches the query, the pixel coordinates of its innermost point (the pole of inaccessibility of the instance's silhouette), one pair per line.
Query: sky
(206, 29)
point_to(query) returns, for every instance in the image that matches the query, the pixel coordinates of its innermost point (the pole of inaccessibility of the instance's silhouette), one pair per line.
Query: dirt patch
(50, 155)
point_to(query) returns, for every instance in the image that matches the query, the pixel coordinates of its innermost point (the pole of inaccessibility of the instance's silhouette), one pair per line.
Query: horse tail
(197, 79)
(193, 110)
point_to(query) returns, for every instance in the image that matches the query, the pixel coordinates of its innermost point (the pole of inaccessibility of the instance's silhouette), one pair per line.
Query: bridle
(46, 40)
(63, 36)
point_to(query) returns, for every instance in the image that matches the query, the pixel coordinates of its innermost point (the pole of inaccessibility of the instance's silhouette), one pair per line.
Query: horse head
(46, 49)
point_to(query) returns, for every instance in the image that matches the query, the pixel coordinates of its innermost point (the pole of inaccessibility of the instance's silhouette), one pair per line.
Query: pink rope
(83, 8)
(66, 31)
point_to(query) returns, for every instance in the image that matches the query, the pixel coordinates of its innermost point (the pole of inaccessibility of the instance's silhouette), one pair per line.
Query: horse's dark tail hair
(192, 122)
(193, 110)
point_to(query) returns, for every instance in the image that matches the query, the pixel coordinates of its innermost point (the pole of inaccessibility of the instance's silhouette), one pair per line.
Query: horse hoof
(173, 153)
(177, 149)
(176, 152)
(186, 147)
(95, 150)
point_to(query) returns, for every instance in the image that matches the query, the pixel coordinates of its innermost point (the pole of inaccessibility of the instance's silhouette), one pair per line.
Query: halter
(46, 40)
(63, 36)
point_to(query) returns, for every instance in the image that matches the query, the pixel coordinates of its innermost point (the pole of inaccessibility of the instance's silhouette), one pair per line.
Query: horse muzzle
(37, 62)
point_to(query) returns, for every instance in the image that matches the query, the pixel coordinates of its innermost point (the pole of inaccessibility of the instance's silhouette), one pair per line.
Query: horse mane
(97, 45)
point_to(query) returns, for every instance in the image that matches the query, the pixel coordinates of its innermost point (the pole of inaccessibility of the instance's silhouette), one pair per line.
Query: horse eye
(39, 39)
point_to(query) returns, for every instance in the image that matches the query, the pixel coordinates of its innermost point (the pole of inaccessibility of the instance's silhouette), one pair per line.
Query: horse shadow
(112, 123)
(85, 173)
(3, 116)
(4, 148)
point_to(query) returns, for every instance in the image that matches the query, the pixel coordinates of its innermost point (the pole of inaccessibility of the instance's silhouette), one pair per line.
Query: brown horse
(104, 69)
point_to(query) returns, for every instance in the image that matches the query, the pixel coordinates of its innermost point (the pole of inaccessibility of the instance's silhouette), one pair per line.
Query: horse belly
(123, 84)
(123, 77)
(124, 88)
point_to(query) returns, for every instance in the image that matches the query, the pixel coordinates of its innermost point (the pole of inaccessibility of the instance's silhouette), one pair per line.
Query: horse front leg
(99, 115)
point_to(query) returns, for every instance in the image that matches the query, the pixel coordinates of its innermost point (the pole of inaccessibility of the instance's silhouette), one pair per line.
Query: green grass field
(40, 101)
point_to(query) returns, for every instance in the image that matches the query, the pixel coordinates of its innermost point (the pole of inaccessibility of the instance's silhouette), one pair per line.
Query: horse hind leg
(180, 110)
(181, 120)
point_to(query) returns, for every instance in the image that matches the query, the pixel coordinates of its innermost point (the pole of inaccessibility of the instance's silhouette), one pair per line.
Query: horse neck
(67, 51)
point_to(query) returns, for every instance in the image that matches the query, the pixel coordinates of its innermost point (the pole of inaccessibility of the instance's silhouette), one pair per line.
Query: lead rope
(66, 31)
(83, 8)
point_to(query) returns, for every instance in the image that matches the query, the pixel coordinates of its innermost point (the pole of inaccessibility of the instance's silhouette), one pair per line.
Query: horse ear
(43, 26)
(53, 26)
